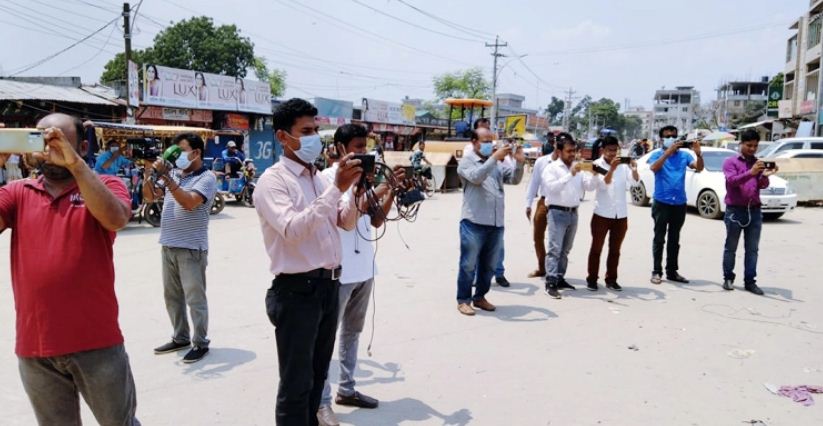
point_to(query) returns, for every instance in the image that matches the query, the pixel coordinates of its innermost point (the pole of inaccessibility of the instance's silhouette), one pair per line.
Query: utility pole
(496, 55)
(127, 38)
(567, 108)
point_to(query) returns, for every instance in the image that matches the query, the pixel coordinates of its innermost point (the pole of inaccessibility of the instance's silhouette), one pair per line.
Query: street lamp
(494, 88)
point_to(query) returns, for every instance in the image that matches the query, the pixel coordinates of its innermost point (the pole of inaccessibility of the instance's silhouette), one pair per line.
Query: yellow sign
(409, 112)
(515, 125)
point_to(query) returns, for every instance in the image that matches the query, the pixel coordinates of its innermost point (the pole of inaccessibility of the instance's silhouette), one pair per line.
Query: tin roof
(11, 90)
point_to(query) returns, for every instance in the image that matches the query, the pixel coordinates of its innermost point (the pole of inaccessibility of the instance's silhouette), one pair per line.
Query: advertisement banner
(515, 125)
(775, 95)
(807, 107)
(133, 85)
(173, 87)
(331, 109)
(375, 111)
(784, 109)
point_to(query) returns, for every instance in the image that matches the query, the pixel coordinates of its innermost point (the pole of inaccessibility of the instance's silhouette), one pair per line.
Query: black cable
(464, 29)
(376, 10)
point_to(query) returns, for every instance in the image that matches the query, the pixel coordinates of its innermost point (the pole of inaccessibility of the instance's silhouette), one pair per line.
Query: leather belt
(318, 274)
(565, 209)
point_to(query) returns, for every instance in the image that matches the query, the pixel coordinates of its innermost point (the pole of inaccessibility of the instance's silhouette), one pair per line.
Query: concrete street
(700, 355)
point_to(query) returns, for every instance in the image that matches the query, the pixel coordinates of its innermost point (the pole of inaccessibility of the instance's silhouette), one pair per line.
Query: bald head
(72, 127)
(484, 135)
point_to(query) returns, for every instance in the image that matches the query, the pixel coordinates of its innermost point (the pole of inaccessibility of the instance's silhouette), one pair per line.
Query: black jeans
(668, 221)
(304, 314)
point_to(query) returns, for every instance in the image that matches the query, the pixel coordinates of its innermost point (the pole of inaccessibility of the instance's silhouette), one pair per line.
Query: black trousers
(668, 221)
(304, 314)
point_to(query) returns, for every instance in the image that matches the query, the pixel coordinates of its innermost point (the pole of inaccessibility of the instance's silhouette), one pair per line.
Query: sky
(389, 49)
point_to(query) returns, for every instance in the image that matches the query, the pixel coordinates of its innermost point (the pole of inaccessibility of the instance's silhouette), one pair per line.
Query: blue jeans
(500, 270)
(562, 229)
(739, 219)
(480, 248)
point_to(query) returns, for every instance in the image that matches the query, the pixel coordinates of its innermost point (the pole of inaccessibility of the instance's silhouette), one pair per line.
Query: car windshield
(713, 160)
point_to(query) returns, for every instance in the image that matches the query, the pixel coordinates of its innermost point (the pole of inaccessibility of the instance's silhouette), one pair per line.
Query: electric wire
(376, 10)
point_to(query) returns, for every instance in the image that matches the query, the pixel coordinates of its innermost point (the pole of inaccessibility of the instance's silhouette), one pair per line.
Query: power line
(466, 30)
(416, 25)
(97, 6)
(60, 52)
(113, 28)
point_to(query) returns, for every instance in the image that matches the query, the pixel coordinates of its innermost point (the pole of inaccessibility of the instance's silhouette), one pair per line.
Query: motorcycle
(140, 209)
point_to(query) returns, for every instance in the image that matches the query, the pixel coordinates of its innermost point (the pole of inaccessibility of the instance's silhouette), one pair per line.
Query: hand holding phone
(21, 140)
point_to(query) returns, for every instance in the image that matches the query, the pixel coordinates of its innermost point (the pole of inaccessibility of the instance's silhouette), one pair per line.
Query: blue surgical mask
(486, 148)
(310, 148)
(183, 161)
(668, 142)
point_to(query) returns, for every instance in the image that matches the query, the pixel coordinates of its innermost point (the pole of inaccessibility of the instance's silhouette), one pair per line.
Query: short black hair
(547, 148)
(668, 129)
(288, 112)
(749, 135)
(564, 139)
(347, 132)
(609, 140)
(550, 137)
(472, 135)
(195, 141)
(480, 120)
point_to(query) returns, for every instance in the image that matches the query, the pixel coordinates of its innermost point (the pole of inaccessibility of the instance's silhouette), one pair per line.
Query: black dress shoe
(552, 291)
(564, 285)
(677, 278)
(502, 281)
(614, 286)
(356, 400)
(171, 347)
(591, 285)
(728, 285)
(753, 288)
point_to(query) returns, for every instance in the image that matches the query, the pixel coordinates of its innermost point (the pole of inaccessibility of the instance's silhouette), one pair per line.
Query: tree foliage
(198, 44)
(555, 110)
(469, 83)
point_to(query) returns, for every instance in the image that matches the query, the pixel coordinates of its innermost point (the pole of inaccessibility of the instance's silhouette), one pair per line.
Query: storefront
(394, 123)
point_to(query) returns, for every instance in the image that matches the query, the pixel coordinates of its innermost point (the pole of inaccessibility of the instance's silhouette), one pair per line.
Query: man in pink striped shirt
(299, 215)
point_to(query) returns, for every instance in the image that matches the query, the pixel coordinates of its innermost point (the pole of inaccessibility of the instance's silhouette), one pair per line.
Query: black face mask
(55, 173)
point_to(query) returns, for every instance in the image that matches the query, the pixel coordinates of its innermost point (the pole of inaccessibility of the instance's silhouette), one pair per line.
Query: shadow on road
(218, 361)
(784, 294)
(522, 289)
(369, 370)
(628, 293)
(520, 313)
(392, 413)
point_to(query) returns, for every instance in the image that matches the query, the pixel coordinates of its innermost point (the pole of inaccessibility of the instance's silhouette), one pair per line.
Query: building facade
(801, 84)
(676, 107)
(645, 117)
(742, 100)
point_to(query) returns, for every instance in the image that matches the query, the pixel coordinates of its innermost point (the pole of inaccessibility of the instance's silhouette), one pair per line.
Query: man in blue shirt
(233, 159)
(669, 165)
(111, 161)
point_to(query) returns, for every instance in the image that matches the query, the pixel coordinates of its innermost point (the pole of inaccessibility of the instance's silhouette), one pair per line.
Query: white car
(800, 153)
(791, 143)
(706, 190)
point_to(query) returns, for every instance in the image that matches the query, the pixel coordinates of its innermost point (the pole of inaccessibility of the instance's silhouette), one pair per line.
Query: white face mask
(183, 161)
(114, 149)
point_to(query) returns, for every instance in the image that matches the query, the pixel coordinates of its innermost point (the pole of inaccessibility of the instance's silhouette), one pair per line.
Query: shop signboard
(376, 111)
(173, 87)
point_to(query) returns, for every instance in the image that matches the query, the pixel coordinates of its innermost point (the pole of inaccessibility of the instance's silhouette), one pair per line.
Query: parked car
(763, 145)
(791, 143)
(800, 153)
(706, 190)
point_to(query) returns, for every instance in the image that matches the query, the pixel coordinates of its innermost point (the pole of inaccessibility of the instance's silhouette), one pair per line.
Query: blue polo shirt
(115, 166)
(670, 180)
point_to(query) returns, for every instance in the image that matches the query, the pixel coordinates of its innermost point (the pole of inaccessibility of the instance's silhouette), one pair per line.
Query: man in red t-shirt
(68, 338)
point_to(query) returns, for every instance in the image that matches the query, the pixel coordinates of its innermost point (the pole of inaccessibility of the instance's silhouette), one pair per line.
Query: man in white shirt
(564, 185)
(610, 211)
(535, 190)
(356, 279)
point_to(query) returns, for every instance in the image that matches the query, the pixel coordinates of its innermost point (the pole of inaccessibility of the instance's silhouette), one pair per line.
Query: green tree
(777, 80)
(276, 78)
(468, 83)
(555, 110)
(197, 44)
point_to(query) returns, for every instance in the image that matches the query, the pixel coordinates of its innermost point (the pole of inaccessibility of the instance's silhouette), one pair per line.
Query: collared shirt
(483, 199)
(115, 166)
(561, 188)
(610, 201)
(181, 228)
(670, 180)
(299, 215)
(743, 189)
(62, 270)
(535, 188)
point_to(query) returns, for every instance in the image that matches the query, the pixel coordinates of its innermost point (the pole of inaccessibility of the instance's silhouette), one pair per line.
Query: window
(791, 145)
(685, 109)
(817, 145)
(814, 31)
(791, 49)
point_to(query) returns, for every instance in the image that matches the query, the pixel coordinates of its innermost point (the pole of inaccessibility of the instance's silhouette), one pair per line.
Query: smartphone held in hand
(21, 140)
(586, 166)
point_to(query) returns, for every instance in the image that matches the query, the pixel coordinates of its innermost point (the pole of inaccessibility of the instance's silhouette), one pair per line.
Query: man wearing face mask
(111, 161)
(68, 339)
(669, 165)
(481, 227)
(299, 215)
(184, 234)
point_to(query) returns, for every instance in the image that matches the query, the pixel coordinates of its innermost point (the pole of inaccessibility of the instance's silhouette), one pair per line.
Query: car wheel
(218, 204)
(708, 205)
(639, 195)
(772, 216)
